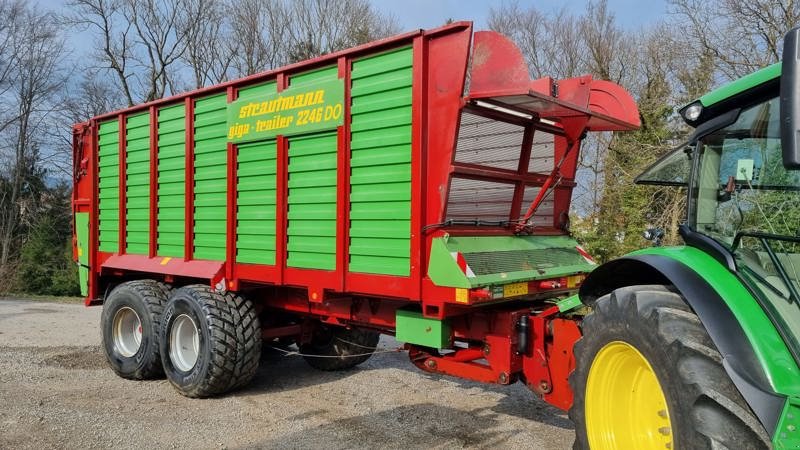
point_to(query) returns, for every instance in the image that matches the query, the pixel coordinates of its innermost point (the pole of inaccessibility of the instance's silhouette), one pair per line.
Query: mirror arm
(790, 100)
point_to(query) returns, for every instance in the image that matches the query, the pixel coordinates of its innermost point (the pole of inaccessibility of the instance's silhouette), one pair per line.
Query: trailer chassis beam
(506, 346)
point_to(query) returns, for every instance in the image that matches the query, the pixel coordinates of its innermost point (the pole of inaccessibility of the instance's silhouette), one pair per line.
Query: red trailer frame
(500, 89)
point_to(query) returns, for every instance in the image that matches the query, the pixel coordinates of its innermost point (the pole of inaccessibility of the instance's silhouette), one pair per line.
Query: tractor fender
(739, 357)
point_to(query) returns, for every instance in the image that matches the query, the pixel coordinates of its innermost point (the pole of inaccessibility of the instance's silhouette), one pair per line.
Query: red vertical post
(94, 219)
(188, 217)
(153, 248)
(418, 157)
(230, 247)
(562, 194)
(281, 192)
(343, 180)
(122, 181)
(522, 169)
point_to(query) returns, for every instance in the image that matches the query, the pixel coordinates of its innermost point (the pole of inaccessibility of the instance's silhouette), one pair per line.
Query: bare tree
(606, 44)
(270, 33)
(114, 39)
(208, 54)
(552, 46)
(162, 31)
(88, 97)
(260, 35)
(742, 36)
(324, 26)
(34, 77)
(140, 41)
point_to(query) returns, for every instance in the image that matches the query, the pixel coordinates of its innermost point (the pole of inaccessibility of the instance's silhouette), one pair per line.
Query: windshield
(749, 202)
(742, 184)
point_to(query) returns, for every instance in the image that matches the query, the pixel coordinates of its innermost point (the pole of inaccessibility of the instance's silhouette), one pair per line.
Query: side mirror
(790, 100)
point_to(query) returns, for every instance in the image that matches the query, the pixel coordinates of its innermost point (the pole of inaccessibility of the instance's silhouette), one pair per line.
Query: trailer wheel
(131, 328)
(649, 377)
(212, 341)
(339, 348)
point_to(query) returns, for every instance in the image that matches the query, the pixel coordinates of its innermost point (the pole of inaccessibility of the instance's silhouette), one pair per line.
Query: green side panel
(315, 76)
(255, 191)
(742, 84)
(380, 176)
(210, 177)
(499, 260)
(108, 186)
(787, 433)
(171, 180)
(137, 184)
(82, 233)
(569, 303)
(312, 103)
(771, 351)
(311, 216)
(413, 328)
(256, 92)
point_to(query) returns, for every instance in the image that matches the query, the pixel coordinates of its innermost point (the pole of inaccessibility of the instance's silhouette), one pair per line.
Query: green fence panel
(137, 184)
(108, 180)
(311, 215)
(380, 174)
(255, 193)
(171, 180)
(210, 177)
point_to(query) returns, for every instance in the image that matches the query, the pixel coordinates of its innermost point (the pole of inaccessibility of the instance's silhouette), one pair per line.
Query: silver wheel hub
(127, 332)
(184, 343)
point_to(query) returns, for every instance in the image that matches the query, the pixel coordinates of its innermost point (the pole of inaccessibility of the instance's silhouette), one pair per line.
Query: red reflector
(480, 294)
(549, 284)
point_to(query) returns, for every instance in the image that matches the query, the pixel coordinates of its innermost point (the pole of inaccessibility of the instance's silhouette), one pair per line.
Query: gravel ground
(56, 391)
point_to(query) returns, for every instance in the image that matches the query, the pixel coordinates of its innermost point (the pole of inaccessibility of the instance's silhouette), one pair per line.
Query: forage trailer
(417, 186)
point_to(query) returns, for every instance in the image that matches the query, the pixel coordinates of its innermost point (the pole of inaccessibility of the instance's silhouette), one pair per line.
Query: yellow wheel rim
(625, 405)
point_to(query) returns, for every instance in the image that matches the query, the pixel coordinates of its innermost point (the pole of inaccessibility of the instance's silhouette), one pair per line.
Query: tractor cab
(744, 202)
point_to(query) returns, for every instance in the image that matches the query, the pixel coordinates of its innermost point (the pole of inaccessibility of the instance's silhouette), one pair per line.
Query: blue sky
(430, 13)
(413, 14)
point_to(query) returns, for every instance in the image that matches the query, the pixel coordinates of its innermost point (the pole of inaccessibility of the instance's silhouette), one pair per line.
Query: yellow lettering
(238, 130)
(286, 103)
(318, 97)
(309, 99)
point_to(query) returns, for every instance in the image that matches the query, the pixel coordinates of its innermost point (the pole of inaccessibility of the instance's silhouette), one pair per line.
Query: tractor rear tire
(648, 376)
(339, 348)
(131, 324)
(212, 341)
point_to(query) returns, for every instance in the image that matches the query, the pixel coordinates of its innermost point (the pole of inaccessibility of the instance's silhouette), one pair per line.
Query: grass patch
(42, 298)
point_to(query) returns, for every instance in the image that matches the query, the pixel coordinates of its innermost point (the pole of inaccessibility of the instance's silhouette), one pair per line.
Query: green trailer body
(368, 172)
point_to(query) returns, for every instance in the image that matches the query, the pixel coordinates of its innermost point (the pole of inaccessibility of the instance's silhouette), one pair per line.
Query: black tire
(339, 348)
(228, 341)
(705, 408)
(142, 301)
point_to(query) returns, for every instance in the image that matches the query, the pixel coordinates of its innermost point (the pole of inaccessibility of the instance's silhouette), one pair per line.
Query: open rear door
(499, 76)
(499, 79)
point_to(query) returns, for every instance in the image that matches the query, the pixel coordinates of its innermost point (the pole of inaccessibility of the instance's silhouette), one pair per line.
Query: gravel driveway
(57, 392)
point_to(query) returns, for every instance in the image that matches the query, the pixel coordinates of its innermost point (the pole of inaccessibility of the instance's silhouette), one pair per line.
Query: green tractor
(698, 346)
